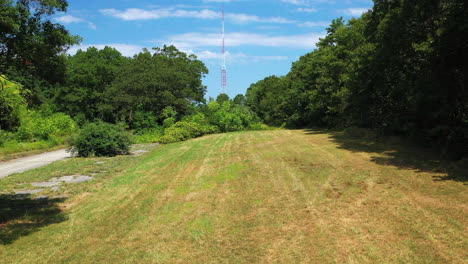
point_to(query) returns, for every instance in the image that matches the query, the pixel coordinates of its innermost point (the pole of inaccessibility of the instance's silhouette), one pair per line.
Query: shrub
(230, 117)
(168, 122)
(144, 120)
(150, 135)
(12, 103)
(101, 139)
(35, 125)
(184, 130)
(261, 126)
(4, 137)
(169, 116)
(199, 118)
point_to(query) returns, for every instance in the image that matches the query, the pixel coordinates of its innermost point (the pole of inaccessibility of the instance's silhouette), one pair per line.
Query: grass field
(282, 196)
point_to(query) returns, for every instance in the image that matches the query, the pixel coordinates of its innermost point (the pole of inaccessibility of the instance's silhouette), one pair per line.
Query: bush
(12, 103)
(35, 125)
(261, 126)
(169, 116)
(4, 137)
(149, 135)
(230, 117)
(144, 120)
(184, 130)
(101, 139)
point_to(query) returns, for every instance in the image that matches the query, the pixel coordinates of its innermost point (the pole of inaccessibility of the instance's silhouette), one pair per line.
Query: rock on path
(31, 162)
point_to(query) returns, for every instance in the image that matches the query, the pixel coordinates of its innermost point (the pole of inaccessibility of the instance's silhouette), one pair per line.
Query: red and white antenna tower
(223, 66)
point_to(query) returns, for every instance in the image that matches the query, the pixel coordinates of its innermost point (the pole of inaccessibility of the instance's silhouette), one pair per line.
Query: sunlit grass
(267, 196)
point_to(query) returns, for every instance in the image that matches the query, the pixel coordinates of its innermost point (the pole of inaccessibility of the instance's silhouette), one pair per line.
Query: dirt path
(31, 162)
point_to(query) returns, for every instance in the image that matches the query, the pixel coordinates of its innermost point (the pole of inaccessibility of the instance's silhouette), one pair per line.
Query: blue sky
(263, 37)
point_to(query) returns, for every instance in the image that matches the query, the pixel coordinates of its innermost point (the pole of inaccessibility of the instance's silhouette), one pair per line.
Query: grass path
(270, 197)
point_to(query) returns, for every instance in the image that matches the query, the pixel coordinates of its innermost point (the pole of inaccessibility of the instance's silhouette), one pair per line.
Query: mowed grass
(282, 196)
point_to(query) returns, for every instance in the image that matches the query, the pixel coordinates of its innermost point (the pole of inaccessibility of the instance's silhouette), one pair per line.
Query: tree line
(400, 69)
(47, 94)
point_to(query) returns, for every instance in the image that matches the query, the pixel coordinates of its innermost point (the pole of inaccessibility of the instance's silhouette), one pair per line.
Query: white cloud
(295, 2)
(196, 39)
(233, 58)
(68, 19)
(306, 10)
(245, 18)
(357, 11)
(205, 55)
(142, 14)
(91, 25)
(315, 24)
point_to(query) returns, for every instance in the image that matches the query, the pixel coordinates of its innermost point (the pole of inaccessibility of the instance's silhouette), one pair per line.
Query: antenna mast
(223, 66)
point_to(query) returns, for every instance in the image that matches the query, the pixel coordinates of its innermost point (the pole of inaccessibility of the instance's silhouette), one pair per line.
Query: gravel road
(31, 162)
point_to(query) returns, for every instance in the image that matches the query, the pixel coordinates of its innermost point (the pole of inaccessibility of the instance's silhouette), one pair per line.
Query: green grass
(281, 196)
(14, 149)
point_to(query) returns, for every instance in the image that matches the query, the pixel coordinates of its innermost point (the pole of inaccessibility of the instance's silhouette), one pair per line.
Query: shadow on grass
(400, 153)
(20, 215)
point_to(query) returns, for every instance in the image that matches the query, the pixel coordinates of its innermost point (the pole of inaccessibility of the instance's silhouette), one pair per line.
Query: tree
(222, 98)
(31, 46)
(239, 100)
(151, 82)
(89, 74)
(12, 103)
(269, 99)
(399, 69)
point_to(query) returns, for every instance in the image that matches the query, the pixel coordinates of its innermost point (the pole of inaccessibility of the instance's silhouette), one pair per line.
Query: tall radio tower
(223, 66)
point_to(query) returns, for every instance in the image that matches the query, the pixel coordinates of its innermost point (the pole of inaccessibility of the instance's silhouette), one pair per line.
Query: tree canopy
(152, 81)
(32, 47)
(398, 69)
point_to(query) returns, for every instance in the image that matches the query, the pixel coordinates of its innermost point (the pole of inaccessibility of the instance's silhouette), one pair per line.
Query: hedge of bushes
(36, 125)
(184, 130)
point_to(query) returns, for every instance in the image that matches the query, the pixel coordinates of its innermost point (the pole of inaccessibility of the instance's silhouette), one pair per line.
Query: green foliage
(400, 69)
(4, 137)
(168, 122)
(101, 139)
(168, 112)
(229, 117)
(36, 125)
(270, 98)
(240, 99)
(222, 98)
(198, 117)
(213, 118)
(184, 130)
(32, 46)
(12, 103)
(144, 120)
(151, 82)
(261, 126)
(169, 116)
(89, 75)
(149, 135)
